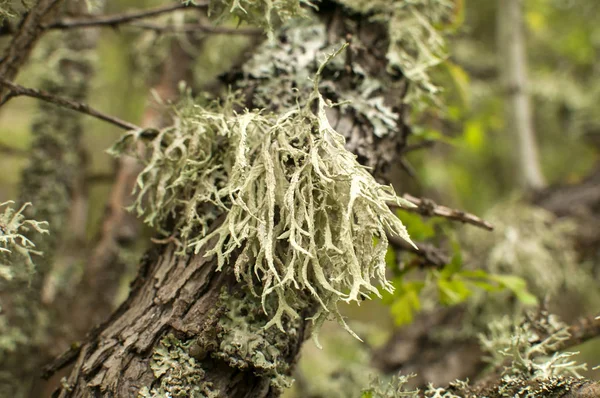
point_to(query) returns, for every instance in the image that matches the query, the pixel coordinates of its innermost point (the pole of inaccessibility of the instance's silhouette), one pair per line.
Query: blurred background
(470, 161)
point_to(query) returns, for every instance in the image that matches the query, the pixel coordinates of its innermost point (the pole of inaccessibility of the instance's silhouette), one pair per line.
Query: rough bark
(120, 229)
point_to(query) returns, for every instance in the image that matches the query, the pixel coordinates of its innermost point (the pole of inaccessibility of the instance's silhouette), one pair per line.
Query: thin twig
(24, 39)
(429, 208)
(192, 28)
(428, 253)
(12, 151)
(119, 19)
(17, 90)
(581, 331)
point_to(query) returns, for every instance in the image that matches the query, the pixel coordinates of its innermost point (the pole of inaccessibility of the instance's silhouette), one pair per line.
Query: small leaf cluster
(452, 284)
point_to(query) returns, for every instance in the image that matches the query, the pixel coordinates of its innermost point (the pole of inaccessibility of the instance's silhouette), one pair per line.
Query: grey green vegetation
(301, 209)
(276, 197)
(16, 248)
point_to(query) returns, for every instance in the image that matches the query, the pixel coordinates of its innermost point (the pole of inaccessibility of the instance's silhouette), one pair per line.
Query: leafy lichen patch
(177, 373)
(245, 343)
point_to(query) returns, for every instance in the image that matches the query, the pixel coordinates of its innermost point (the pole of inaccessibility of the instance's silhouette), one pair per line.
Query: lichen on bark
(306, 216)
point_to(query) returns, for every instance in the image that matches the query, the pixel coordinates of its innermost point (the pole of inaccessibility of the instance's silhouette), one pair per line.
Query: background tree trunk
(519, 119)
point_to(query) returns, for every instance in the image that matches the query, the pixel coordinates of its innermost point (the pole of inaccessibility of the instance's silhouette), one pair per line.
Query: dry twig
(16, 90)
(429, 208)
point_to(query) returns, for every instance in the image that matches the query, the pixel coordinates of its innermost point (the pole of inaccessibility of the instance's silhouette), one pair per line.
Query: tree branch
(119, 19)
(24, 40)
(429, 208)
(12, 151)
(428, 253)
(16, 90)
(192, 28)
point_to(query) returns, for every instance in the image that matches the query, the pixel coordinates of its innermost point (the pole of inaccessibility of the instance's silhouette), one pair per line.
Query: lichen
(285, 67)
(176, 372)
(264, 13)
(306, 216)
(531, 348)
(10, 9)
(532, 243)
(415, 41)
(15, 247)
(245, 343)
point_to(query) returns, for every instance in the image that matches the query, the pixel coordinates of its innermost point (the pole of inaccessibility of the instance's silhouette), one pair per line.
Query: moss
(177, 373)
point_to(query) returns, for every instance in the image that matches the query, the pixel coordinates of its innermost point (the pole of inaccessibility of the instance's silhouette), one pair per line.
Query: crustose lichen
(300, 213)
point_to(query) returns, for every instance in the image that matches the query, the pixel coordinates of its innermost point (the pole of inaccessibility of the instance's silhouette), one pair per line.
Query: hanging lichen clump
(300, 214)
(16, 265)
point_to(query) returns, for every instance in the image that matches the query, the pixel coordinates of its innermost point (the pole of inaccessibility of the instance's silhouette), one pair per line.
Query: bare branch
(16, 90)
(428, 254)
(429, 208)
(24, 40)
(12, 151)
(119, 19)
(192, 28)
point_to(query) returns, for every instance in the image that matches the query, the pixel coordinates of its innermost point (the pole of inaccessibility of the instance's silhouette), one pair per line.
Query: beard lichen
(301, 215)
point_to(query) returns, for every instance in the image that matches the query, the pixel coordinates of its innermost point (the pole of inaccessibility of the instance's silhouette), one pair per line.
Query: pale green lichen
(531, 243)
(285, 67)
(10, 9)
(415, 42)
(245, 343)
(177, 373)
(307, 217)
(531, 348)
(15, 247)
(263, 13)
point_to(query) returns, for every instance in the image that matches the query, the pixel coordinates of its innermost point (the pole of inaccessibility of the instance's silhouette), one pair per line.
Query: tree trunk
(519, 119)
(187, 329)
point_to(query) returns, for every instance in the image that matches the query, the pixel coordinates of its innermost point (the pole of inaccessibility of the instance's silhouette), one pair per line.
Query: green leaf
(406, 302)
(453, 291)
(518, 286)
(420, 229)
